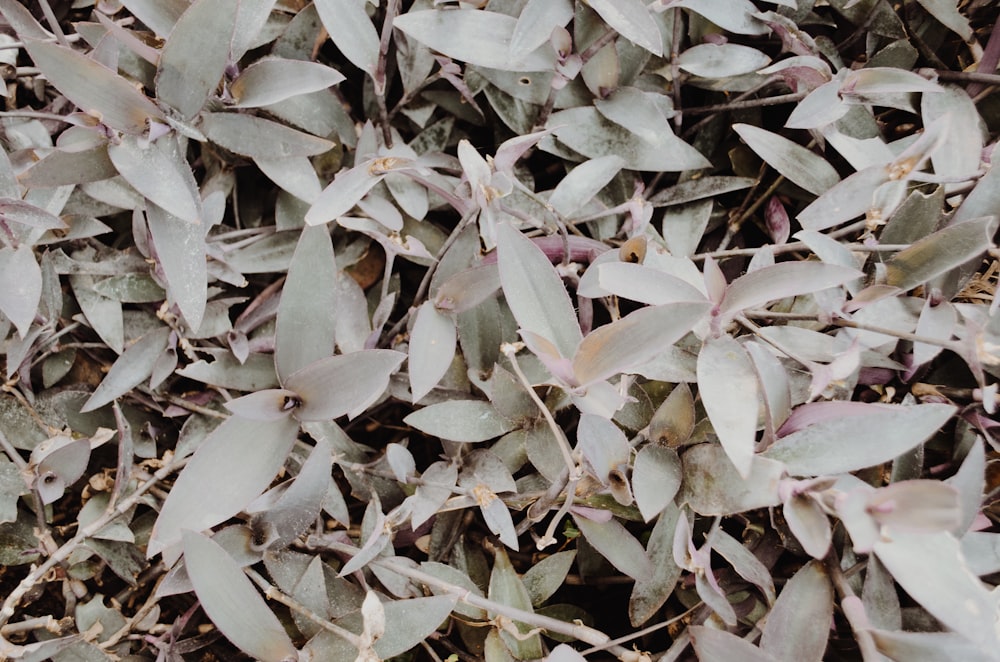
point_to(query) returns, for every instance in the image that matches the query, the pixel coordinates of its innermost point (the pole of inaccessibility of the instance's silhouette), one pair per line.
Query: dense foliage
(576, 329)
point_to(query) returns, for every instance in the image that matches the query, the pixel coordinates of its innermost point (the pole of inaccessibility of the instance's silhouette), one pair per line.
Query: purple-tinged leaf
(656, 477)
(232, 466)
(266, 405)
(432, 348)
(94, 89)
(25, 213)
(937, 253)
(256, 137)
(880, 598)
(951, 593)
(160, 172)
(460, 420)
(272, 79)
(342, 384)
(776, 217)
(713, 645)
(633, 340)
(20, 18)
(22, 289)
(851, 442)
(477, 37)
(809, 523)
(583, 183)
(230, 600)
(506, 588)
(535, 25)
(344, 192)
(915, 506)
(180, 250)
(798, 626)
(534, 292)
(731, 15)
(306, 320)
(131, 369)
(467, 289)
(617, 545)
(729, 390)
(632, 20)
(712, 486)
(647, 597)
(785, 279)
(928, 647)
(352, 31)
(195, 55)
(710, 60)
(796, 163)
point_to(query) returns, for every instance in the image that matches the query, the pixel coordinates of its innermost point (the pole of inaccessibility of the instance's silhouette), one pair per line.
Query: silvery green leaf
(714, 645)
(306, 320)
(731, 15)
(721, 60)
(968, 480)
(460, 420)
(230, 468)
(352, 31)
(583, 183)
(264, 405)
(952, 593)
(343, 193)
(271, 79)
(195, 55)
(565, 653)
(435, 488)
(851, 442)
(180, 250)
(673, 421)
(158, 15)
(902, 646)
(342, 384)
(130, 288)
(937, 253)
(547, 576)
(641, 113)
(432, 347)
(456, 578)
(712, 486)
(617, 545)
(959, 155)
(132, 368)
(822, 107)
(251, 20)
(647, 597)
(588, 132)
(104, 315)
(477, 37)
(93, 87)
(535, 24)
(699, 189)
(256, 373)
(497, 516)
(20, 18)
(746, 565)
(632, 20)
(948, 14)
(880, 597)
(25, 213)
(294, 174)
(408, 622)
(791, 632)
(230, 600)
(656, 477)
(22, 290)
(729, 390)
(506, 588)
(798, 164)
(57, 464)
(256, 137)
(465, 290)
(637, 282)
(534, 292)
(160, 172)
(786, 279)
(602, 444)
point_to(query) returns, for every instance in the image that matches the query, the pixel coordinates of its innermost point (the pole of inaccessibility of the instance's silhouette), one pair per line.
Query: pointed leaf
(656, 477)
(746, 565)
(712, 485)
(506, 588)
(647, 597)
(195, 55)
(638, 282)
(798, 164)
(408, 622)
(256, 137)
(94, 88)
(727, 384)
(535, 25)
(617, 545)
(272, 79)
(232, 466)
(782, 280)
(467, 289)
(306, 314)
(928, 647)
(797, 628)
(731, 15)
(947, 13)
(22, 288)
(583, 183)
(534, 291)
(632, 20)
(294, 174)
(343, 193)
(935, 254)
(352, 31)
(852, 442)
(25, 213)
(809, 524)
(432, 347)
(722, 60)
(713, 645)
(343, 384)
(160, 172)
(266, 405)
(850, 198)
(547, 576)
(180, 249)
(230, 600)
(460, 420)
(131, 369)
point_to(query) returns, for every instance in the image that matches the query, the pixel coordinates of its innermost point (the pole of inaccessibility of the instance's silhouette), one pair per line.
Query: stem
(853, 610)
(50, 18)
(380, 70)
(851, 324)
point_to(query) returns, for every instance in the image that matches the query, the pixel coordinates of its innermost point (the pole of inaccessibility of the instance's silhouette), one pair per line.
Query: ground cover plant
(503, 330)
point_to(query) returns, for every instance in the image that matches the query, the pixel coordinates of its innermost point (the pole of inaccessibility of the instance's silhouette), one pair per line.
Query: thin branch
(53, 22)
(853, 610)
(380, 70)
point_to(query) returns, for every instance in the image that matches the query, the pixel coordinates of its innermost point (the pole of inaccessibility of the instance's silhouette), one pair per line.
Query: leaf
(638, 282)
(928, 647)
(809, 523)
(746, 565)
(460, 420)
(343, 384)
(306, 323)
(712, 486)
(634, 339)
(617, 545)
(352, 31)
(231, 467)
(181, 252)
(273, 79)
(256, 137)
(798, 164)
(589, 132)
(22, 288)
(730, 15)
(547, 576)
(602, 444)
(728, 386)
(534, 292)
(535, 24)
(230, 600)
(786, 279)
(345, 191)
(714, 645)
(796, 627)
(947, 13)
(937, 253)
(159, 171)
(477, 37)
(673, 421)
(647, 597)
(195, 55)
(467, 289)
(93, 88)
(851, 198)
(851, 442)
(408, 622)
(632, 20)
(160, 16)
(25, 213)
(266, 405)
(721, 60)
(656, 477)
(432, 348)
(131, 369)
(952, 594)
(583, 183)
